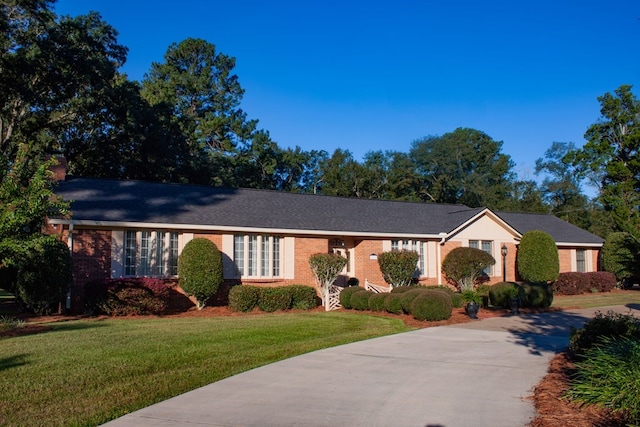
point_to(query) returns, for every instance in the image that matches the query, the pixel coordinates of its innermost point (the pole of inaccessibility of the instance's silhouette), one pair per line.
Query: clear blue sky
(377, 75)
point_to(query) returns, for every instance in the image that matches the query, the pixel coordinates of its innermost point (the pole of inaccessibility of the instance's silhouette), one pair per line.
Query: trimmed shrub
(403, 289)
(360, 300)
(464, 266)
(499, 294)
(408, 297)
(303, 297)
(272, 299)
(200, 270)
(398, 267)
(537, 295)
(609, 325)
(601, 281)
(126, 297)
(345, 296)
(538, 260)
(393, 304)
(621, 255)
(456, 300)
(243, 298)
(432, 305)
(376, 301)
(609, 377)
(572, 284)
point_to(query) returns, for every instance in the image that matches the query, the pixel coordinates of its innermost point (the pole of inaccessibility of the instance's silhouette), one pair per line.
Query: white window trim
(232, 270)
(118, 247)
(421, 247)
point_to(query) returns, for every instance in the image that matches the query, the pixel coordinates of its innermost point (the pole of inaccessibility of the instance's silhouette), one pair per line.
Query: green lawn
(597, 299)
(86, 372)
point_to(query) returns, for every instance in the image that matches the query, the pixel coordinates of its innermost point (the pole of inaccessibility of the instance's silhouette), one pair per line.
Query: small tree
(465, 265)
(200, 270)
(398, 267)
(326, 268)
(621, 255)
(44, 275)
(538, 260)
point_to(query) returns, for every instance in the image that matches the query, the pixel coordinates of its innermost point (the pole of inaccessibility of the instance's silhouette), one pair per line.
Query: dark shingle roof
(561, 231)
(123, 201)
(137, 201)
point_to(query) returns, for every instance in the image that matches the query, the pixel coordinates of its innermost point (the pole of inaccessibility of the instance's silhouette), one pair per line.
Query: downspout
(70, 244)
(443, 238)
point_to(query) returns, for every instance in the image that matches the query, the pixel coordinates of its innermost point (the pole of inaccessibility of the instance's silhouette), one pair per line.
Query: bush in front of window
(272, 299)
(464, 266)
(200, 270)
(572, 284)
(303, 297)
(601, 281)
(126, 297)
(538, 260)
(243, 298)
(398, 267)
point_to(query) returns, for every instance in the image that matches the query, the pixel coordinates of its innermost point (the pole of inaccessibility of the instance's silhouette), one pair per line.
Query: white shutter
(288, 258)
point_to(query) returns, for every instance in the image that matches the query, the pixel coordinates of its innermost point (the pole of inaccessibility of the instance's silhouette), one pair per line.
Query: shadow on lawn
(13, 361)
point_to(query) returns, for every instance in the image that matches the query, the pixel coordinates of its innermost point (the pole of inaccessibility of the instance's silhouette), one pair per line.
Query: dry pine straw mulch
(552, 409)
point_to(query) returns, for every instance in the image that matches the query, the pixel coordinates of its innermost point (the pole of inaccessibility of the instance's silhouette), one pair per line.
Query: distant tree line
(63, 93)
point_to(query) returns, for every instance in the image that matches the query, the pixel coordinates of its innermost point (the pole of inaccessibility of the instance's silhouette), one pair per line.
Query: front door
(339, 246)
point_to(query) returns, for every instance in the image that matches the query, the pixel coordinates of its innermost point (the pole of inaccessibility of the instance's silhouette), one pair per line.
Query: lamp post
(504, 251)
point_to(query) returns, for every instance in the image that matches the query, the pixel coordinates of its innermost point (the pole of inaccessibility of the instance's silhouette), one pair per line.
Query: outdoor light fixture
(504, 251)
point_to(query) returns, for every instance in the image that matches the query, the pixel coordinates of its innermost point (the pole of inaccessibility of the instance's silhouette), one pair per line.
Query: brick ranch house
(121, 228)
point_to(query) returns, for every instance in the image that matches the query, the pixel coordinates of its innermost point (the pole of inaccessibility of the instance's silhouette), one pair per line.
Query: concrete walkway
(479, 373)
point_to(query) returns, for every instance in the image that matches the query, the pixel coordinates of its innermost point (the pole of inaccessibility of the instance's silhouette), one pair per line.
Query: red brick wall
(365, 267)
(215, 238)
(565, 260)
(91, 261)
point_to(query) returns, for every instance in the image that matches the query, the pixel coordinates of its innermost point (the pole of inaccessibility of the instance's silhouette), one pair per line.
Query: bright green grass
(87, 372)
(596, 299)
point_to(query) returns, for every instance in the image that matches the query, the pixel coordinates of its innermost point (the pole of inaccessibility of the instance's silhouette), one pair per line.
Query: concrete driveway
(475, 374)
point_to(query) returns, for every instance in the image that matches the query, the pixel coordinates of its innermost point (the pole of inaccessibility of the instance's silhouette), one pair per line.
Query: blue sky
(377, 75)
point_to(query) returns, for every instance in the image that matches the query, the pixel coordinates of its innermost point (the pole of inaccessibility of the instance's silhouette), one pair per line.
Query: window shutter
(117, 253)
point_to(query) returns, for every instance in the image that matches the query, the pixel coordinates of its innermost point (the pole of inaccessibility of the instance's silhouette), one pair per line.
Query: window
(150, 253)
(257, 256)
(486, 246)
(412, 245)
(581, 265)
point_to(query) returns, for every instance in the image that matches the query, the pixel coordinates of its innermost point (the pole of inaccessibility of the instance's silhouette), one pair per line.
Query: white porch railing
(376, 288)
(333, 298)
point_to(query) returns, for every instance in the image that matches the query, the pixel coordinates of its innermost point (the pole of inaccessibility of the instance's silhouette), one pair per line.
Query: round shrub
(393, 304)
(402, 289)
(499, 294)
(456, 300)
(303, 297)
(200, 269)
(272, 299)
(398, 267)
(360, 299)
(538, 260)
(537, 295)
(464, 266)
(243, 298)
(376, 301)
(601, 281)
(432, 305)
(345, 296)
(408, 297)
